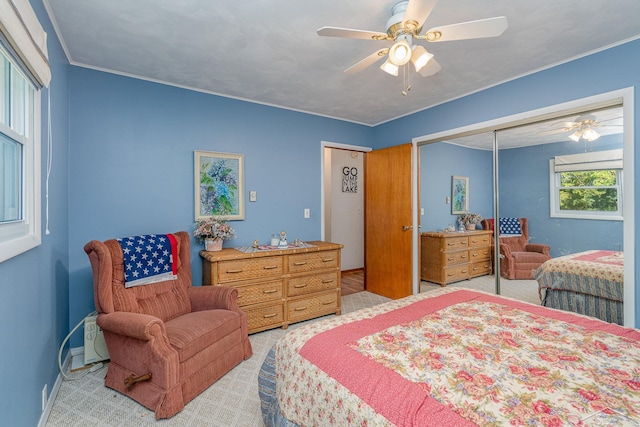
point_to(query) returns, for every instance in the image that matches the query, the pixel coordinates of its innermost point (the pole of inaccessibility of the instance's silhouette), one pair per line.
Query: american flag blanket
(149, 258)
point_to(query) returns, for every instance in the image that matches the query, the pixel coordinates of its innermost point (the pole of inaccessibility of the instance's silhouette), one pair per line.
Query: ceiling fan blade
(350, 33)
(430, 69)
(482, 28)
(369, 60)
(418, 11)
(555, 131)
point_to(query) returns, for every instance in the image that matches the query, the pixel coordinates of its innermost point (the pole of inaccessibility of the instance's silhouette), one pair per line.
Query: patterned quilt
(455, 357)
(589, 282)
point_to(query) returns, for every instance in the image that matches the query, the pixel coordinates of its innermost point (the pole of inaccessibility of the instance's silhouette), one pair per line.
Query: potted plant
(213, 231)
(470, 220)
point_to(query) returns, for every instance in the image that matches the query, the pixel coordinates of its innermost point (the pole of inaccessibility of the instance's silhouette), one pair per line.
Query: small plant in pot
(470, 220)
(212, 231)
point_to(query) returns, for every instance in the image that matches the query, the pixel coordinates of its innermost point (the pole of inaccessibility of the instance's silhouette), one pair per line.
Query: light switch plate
(253, 196)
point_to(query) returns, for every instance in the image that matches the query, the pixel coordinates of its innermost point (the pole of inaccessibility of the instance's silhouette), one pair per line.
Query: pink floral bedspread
(606, 265)
(459, 357)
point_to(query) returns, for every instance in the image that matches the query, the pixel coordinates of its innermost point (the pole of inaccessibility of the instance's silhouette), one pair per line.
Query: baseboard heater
(95, 349)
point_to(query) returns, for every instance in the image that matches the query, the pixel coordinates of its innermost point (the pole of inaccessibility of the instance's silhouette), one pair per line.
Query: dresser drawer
(480, 254)
(314, 306)
(481, 240)
(260, 292)
(313, 261)
(480, 268)
(312, 283)
(235, 270)
(457, 257)
(455, 274)
(264, 317)
(454, 243)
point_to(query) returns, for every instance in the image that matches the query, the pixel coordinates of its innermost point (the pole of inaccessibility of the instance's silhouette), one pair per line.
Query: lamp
(389, 67)
(420, 57)
(400, 52)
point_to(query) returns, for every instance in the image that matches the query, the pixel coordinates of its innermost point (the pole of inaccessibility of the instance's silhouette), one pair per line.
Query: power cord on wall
(93, 368)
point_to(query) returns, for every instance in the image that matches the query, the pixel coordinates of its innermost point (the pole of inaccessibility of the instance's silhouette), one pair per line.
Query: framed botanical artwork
(459, 194)
(219, 185)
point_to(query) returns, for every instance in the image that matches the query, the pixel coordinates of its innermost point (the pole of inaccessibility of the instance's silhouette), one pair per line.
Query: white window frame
(19, 236)
(554, 199)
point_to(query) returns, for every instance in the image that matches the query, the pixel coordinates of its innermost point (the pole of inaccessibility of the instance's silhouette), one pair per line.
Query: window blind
(609, 159)
(23, 36)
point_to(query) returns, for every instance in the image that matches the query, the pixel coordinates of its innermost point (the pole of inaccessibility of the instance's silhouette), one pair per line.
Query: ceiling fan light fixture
(575, 136)
(590, 134)
(400, 52)
(420, 57)
(389, 67)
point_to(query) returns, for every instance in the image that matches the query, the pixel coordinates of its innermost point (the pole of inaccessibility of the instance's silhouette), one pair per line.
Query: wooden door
(388, 236)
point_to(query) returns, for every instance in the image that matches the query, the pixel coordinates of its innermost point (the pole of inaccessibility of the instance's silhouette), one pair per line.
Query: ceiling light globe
(400, 53)
(590, 135)
(420, 57)
(389, 67)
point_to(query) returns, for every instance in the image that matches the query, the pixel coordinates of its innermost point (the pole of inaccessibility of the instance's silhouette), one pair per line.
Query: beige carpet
(233, 400)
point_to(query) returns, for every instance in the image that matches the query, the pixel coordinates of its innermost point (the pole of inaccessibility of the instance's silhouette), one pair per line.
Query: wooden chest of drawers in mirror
(451, 257)
(279, 287)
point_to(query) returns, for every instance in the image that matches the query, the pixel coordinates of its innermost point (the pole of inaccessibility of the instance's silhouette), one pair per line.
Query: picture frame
(459, 195)
(219, 185)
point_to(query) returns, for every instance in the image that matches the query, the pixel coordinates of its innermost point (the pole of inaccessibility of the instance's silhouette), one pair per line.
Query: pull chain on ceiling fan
(403, 28)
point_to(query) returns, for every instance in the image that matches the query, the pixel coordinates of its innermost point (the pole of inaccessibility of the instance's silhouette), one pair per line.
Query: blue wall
(131, 173)
(123, 164)
(34, 307)
(524, 192)
(438, 163)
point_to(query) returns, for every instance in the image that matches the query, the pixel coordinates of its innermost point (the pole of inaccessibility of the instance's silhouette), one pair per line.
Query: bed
(589, 283)
(453, 357)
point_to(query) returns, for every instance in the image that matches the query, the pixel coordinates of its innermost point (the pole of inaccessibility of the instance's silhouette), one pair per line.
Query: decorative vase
(471, 226)
(212, 245)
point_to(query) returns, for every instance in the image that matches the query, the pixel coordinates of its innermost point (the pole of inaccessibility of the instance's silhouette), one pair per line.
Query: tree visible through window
(595, 190)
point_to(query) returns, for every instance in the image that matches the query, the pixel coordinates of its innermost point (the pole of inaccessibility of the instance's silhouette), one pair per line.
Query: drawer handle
(450, 244)
(465, 271)
(450, 259)
(269, 291)
(450, 274)
(270, 267)
(266, 316)
(474, 255)
(463, 256)
(300, 308)
(327, 281)
(234, 271)
(327, 303)
(304, 285)
(327, 259)
(300, 263)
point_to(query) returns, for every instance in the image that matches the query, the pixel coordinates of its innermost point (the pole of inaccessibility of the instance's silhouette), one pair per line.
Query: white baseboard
(76, 352)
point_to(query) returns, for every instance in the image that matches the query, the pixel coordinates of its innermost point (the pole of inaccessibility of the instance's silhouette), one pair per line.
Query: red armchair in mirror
(518, 257)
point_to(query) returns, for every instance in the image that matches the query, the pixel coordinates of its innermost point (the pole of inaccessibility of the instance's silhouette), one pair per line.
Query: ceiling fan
(404, 27)
(583, 127)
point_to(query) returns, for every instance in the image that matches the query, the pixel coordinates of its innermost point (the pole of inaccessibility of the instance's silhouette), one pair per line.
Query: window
(19, 160)
(24, 69)
(587, 186)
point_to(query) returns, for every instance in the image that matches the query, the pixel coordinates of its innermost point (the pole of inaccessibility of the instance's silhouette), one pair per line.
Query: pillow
(510, 227)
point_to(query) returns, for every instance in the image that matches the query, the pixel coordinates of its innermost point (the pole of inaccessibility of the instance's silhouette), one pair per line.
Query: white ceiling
(267, 51)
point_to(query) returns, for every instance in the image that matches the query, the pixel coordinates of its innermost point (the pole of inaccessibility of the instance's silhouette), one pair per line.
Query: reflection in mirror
(559, 180)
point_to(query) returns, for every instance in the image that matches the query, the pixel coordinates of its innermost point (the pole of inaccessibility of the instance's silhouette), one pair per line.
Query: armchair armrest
(505, 250)
(134, 325)
(537, 247)
(213, 297)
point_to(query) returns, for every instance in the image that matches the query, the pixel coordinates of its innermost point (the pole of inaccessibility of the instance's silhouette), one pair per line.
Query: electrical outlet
(44, 397)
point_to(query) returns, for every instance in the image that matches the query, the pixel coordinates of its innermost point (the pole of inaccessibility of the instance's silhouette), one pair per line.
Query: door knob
(407, 227)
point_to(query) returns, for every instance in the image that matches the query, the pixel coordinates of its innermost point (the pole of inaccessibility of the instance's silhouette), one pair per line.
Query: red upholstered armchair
(518, 257)
(168, 341)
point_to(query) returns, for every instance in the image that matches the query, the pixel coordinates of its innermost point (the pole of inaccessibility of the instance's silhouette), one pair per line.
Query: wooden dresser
(451, 257)
(279, 287)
